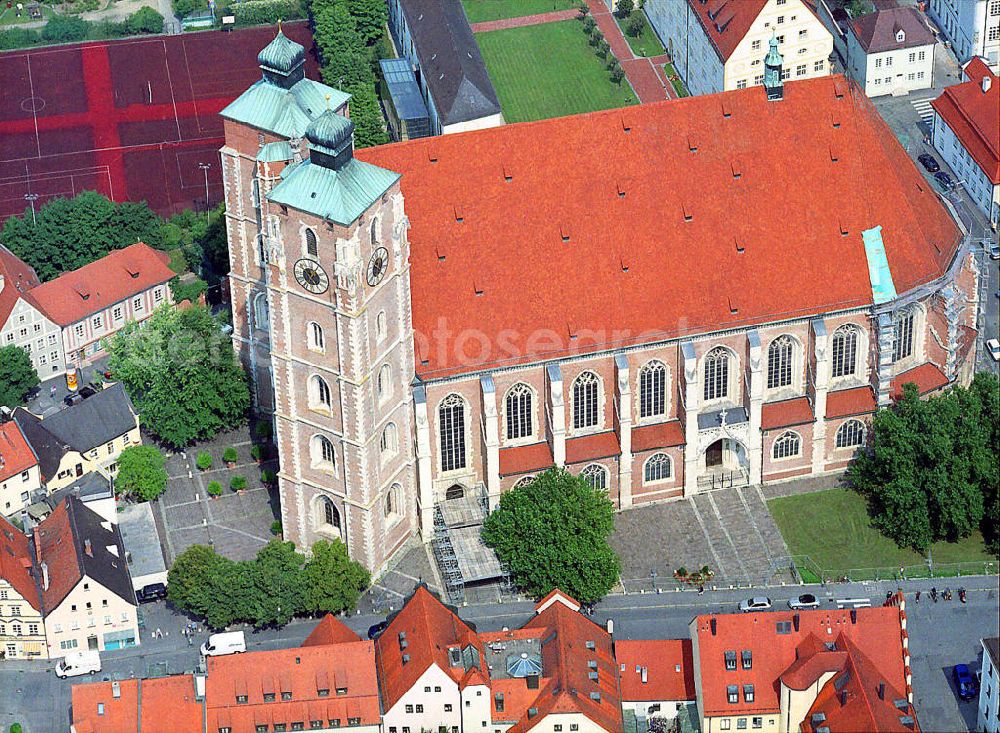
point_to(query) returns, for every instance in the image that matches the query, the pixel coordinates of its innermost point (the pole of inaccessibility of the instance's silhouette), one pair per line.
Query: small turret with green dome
(282, 60)
(331, 139)
(772, 71)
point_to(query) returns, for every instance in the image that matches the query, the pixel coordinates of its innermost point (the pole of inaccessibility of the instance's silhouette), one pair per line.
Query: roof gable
(93, 422)
(16, 563)
(974, 116)
(18, 278)
(881, 30)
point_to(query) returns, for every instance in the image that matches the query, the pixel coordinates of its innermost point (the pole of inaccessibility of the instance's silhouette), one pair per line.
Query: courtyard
(236, 523)
(549, 70)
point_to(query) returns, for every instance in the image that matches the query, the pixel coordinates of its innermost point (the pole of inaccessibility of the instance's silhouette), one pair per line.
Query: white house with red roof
(24, 324)
(22, 629)
(19, 469)
(555, 673)
(95, 301)
(967, 134)
(656, 676)
(845, 671)
(891, 50)
(718, 45)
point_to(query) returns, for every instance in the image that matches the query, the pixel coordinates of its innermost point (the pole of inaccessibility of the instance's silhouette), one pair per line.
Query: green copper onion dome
(330, 132)
(282, 55)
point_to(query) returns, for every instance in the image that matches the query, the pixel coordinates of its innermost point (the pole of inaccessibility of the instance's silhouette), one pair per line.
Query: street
(30, 693)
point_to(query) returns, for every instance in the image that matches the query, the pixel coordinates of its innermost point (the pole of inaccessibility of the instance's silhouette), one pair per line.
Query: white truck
(231, 642)
(78, 663)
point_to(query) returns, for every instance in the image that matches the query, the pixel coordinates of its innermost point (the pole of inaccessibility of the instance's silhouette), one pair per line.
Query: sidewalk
(641, 72)
(496, 25)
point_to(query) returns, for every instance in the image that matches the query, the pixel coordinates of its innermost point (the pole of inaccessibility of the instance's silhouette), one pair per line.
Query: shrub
(204, 460)
(18, 38)
(238, 483)
(144, 20)
(262, 12)
(267, 477)
(187, 290)
(256, 452)
(214, 488)
(276, 527)
(230, 455)
(603, 49)
(262, 430)
(596, 37)
(589, 23)
(634, 25)
(63, 29)
(15, 728)
(624, 8)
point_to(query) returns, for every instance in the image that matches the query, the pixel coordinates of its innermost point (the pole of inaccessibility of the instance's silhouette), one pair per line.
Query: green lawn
(833, 529)
(481, 10)
(677, 84)
(646, 43)
(548, 70)
(8, 16)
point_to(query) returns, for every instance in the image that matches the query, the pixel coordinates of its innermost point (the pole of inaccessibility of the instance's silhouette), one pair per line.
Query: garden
(552, 70)
(637, 30)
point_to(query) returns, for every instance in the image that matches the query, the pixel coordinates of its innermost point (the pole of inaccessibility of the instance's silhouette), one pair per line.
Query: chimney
(987, 83)
(88, 548)
(116, 690)
(45, 576)
(645, 675)
(854, 616)
(881, 690)
(843, 698)
(38, 543)
(714, 626)
(795, 621)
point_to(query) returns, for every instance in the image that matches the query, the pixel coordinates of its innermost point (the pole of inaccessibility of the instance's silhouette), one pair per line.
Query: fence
(812, 573)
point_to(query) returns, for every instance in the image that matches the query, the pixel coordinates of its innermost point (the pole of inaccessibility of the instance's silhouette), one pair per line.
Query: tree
(68, 233)
(634, 25)
(144, 20)
(279, 584)
(333, 581)
(370, 17)
(182, 374)
(553, 533)
(65, 29)
(141, 473)
(366, 113)
(931, 469)
(17, 376)
(194, 579)
(624, 8)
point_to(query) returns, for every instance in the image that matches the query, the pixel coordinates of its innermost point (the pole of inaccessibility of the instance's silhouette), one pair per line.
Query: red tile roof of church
(928, 377)
(850, 402)
(786, 413)
(619, 227)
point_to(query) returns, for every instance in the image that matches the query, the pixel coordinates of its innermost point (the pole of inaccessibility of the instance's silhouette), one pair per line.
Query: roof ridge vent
(564, 231)
(737, 169)
(459, 214)
(727, 110)
(740, 244)
(508, 173)
(687, 211)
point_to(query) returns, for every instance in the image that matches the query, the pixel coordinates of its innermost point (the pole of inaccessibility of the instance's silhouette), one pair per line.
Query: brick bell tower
(321, 308)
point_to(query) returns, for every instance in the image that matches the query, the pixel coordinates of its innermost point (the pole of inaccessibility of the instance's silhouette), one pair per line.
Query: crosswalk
(924, 109)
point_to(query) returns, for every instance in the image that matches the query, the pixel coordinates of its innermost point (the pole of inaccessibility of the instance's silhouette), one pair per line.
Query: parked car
(965, 683)
(78, 663)
(375, 629)
(929, 162)
(231, 642)
(994, 251)
(993, 346)
(757, 603)
(806, 600)
(946, 181)
(151, 592)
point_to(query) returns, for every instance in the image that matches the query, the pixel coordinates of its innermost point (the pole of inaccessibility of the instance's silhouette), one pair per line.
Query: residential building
(22, 629)
(95, 301)
(891, 51)
(843, 670)
(83, 438)
(719, 45)
(328, 684)
(971, 26)
(19, 474)
(85, 586)
(556, 672)
(989, 688)
(21, 323)
(967, 135)
(435, 37)
(656, 677)
(93, 489)
(375, 308)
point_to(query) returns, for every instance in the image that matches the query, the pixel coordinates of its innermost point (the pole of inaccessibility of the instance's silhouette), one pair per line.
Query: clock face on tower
(377, 265)
(311, 276)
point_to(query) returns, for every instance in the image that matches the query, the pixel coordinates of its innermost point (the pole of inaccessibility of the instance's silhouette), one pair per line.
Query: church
(663, 299)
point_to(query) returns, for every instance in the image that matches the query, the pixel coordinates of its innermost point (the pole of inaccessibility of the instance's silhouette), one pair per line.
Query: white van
(77, 663)
(231, 642)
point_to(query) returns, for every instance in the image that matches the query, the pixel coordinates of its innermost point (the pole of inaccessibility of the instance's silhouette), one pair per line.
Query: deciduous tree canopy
(553, 533)
(931, 472)
(17, 375)
(141, 474)
(182, 374)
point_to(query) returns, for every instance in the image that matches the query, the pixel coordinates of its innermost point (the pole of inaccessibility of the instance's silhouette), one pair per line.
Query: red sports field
(132, 119)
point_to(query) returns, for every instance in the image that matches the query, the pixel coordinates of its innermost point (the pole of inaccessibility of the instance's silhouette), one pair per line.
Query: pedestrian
(701, 590)
(52, 391)
(157, 634)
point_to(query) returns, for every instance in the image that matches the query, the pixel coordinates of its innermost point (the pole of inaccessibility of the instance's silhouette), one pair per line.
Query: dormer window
(900, 36)
(747, 656)
(730, 660)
